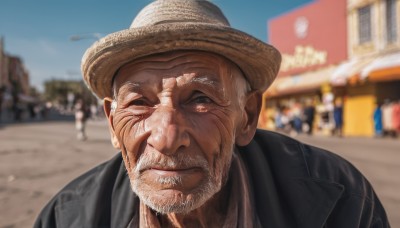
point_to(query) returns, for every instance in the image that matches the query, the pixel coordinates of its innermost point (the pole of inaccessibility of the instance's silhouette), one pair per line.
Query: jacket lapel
(311, 201)
(276, 163)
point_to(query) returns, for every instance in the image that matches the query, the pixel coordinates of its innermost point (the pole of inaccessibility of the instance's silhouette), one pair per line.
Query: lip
(173, 171)
(173, 178)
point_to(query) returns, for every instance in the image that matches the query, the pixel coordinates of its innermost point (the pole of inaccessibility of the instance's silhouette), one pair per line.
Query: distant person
(31, 110)
(1, 102)
(80, 119)
(296, 119)
(387, 118)
(278, 119)
(182, 93)
(338, 118)
(378, 126)
(16, 107)
(308, 116)
(396, 118)
(93, 112)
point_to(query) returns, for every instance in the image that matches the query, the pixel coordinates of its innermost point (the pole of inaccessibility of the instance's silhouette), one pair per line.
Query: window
(364, 24)
(391, 25)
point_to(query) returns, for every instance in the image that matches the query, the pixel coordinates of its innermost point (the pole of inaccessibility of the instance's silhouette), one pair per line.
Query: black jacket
(315, 189)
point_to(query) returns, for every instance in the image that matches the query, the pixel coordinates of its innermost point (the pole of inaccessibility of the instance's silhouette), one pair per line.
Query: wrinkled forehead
(178, 63)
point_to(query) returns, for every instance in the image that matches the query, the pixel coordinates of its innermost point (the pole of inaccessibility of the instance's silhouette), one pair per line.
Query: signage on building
(301, 27)
(303, 57)
(310, 37)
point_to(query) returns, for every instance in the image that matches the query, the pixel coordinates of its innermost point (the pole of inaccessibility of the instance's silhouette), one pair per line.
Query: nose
(168, 131)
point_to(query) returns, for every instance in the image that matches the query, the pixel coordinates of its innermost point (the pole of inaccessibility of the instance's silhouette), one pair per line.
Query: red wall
(327, 31)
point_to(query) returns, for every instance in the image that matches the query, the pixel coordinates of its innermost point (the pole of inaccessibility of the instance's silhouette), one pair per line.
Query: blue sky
(39, 30)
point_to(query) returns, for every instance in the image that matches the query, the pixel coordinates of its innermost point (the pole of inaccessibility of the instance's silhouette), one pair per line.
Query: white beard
(186, 203)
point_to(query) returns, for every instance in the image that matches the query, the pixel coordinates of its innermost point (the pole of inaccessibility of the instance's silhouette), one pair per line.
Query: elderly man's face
(176, 120)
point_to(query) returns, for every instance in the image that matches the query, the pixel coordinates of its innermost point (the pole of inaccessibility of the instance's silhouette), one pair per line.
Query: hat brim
(259, 61)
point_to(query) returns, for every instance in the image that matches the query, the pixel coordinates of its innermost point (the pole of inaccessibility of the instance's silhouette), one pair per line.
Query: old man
(182, 94)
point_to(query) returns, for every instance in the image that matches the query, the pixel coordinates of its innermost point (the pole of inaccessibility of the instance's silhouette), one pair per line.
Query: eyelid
(198, 94)
(129, 99)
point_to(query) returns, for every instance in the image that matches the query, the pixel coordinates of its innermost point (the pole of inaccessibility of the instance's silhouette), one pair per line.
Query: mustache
(177, 161)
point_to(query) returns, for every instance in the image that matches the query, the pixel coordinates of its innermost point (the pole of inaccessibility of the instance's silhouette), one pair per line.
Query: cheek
(214, 132)
(129, 128)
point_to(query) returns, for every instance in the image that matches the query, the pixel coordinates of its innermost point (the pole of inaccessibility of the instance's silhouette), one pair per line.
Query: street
(38, 159)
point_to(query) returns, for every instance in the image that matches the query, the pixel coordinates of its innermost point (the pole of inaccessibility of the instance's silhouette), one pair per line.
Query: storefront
(365, 84)
(288, 94)
(312, 44)
(383, 75)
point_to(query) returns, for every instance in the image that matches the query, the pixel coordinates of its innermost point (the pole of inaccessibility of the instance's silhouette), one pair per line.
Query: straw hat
(167, 25)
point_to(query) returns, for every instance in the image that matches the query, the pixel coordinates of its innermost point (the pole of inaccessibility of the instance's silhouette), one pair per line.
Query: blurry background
(338, 88)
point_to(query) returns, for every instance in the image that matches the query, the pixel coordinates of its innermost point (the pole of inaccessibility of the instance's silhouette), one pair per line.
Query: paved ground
(37, 159)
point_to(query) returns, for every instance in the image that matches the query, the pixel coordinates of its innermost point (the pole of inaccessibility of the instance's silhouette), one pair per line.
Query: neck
(210, 214)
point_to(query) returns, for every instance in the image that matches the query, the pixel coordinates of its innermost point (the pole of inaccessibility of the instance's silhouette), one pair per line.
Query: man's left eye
(201, 100)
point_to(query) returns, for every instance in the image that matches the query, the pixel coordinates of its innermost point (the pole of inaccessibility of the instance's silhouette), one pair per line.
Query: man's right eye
(139, 102)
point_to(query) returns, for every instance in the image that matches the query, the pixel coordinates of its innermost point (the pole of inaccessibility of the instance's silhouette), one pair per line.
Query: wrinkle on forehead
(182, 56)
(201, 65)
(129, 86)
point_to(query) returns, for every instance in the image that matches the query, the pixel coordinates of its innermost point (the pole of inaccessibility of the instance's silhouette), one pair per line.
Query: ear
(110, 117)
(247, 129)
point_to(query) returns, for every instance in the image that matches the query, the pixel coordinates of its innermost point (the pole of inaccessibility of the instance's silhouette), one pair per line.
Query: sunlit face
(175, 120)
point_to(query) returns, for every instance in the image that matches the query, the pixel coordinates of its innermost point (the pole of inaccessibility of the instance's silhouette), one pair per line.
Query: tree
(57, 91)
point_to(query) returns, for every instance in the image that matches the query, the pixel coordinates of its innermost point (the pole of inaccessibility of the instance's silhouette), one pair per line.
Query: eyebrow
(129, 86)
(205, 80)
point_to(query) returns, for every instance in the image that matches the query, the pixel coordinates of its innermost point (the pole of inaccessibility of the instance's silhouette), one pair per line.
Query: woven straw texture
(167, 25)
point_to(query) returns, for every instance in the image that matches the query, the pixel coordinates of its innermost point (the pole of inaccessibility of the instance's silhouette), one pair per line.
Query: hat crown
(179, 11)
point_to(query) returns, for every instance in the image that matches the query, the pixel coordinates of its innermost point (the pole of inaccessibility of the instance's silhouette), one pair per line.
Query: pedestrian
(396, 118)
(308, 116)
(378, 127)
(338, 118)
(2, 89)
(182, 93)
(16, 107)
(31, 110)
(296, 113)
(80, 119)
(93, 111)
(278, 119)
(387, 118)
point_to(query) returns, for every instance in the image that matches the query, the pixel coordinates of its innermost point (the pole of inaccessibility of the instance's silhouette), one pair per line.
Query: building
(5, 86)
(338, 50)
(14, 81)
(371, 75)
(313, 42)
(3, 66)
(18, 76)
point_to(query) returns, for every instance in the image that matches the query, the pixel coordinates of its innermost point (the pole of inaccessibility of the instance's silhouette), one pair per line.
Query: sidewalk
(38, 159)
(7, 118)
